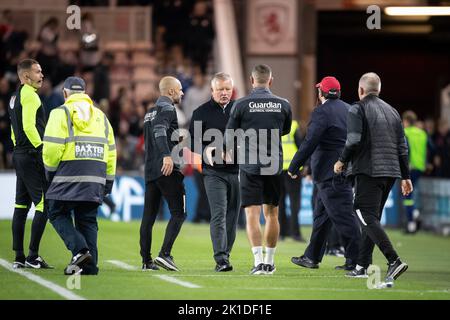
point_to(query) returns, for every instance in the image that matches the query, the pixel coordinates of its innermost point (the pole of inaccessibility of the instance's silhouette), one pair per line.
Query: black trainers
(304, 261)
(77, 263)
(361, 273)
(259, 269)
(166, 262)
(225, 267)
(19, 263)
(346, 267)
(269, 268)
(395, 269)
(336, 252)
(37, 263)
(149, 266)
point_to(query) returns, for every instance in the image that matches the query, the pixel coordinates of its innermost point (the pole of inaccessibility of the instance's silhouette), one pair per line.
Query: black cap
(75, 84)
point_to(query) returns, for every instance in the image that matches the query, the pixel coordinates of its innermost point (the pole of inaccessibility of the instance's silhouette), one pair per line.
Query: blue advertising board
(129, 191)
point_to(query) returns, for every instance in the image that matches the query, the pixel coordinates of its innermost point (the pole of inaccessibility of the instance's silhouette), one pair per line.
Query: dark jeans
(172, 189)
(333, 206)
(370, 197)
(81, 236)
(222, 190)
(292, 188)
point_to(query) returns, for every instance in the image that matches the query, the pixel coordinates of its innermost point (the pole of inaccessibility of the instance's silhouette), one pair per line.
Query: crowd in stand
(178, 25)
(183, 41)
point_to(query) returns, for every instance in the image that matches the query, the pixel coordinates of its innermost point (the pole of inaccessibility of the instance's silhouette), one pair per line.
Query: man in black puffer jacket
(377, 154)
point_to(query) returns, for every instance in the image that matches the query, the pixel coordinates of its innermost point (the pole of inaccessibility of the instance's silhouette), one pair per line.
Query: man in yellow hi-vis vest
(28, 119)
(291, 187)
(80, 161)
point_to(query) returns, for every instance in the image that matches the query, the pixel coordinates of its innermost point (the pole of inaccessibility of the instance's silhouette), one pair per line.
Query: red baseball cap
(329, 83)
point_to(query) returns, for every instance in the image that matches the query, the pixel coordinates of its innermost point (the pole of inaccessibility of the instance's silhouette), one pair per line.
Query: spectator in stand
(48, 53)
(442, 142)
(101, 77)
(180, 66)
(5, 91)
(5, 140)
(50, 99)
(201, 35)
(430, 128)
(417, 140)
(67, 66)
(196, 95)
(171, 20)
(89, 43)
(115, 108)
(12, 42)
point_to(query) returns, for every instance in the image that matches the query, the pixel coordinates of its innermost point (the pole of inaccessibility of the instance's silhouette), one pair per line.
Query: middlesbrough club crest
(272, 27)
(273, 21)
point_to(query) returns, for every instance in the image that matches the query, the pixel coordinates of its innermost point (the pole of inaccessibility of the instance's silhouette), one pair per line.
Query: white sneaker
(412, 226)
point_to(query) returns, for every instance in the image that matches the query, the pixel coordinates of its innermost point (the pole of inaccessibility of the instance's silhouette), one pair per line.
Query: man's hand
(338, 167)
(208, 154)
(293, 176)
(167, 166)
(226, 156)
(407, 187)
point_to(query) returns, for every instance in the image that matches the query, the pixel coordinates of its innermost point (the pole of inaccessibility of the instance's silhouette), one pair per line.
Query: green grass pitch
(428, 276)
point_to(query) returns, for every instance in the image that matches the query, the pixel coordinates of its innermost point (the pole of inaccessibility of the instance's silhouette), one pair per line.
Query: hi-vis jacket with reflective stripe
(79, 151)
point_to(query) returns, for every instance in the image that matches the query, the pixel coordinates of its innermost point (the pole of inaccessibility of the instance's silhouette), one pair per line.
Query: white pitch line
(63, 292)
(122, 265)
(251, 276)
(179, 282)
(171, 279)
(340, 290)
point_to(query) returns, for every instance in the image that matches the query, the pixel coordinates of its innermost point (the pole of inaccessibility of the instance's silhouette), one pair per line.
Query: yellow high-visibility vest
(289, 146)
(79, 151)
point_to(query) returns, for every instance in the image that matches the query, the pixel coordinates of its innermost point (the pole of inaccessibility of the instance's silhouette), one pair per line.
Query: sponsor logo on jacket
(265, 106)
(89, 150)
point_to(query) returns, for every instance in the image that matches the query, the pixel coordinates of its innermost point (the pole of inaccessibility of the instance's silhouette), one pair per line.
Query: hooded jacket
(79, 152)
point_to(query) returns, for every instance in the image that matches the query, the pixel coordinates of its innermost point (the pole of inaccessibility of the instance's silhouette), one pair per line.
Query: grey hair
(371, 83)
(71, 92)
(221, 76)
(262, 73)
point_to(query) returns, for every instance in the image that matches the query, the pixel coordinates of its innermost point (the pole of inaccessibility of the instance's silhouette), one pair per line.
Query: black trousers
(81, 236)
(333, 206)
(334, 239)
(31, 186)
(291, 188)
(370, 197)
(222, 189)
(172, 189)
(202, 211)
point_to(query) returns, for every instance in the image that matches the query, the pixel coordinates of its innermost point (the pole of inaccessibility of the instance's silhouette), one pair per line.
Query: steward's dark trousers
(172, 189)
(292, 188)
(222, 189)
(334, 241)
(334, 207)
(81, 236)
(370, 197)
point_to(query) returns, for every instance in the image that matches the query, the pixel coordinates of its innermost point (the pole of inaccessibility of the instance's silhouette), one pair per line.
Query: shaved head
(171, 87)
(371, 83)
(168, 83)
